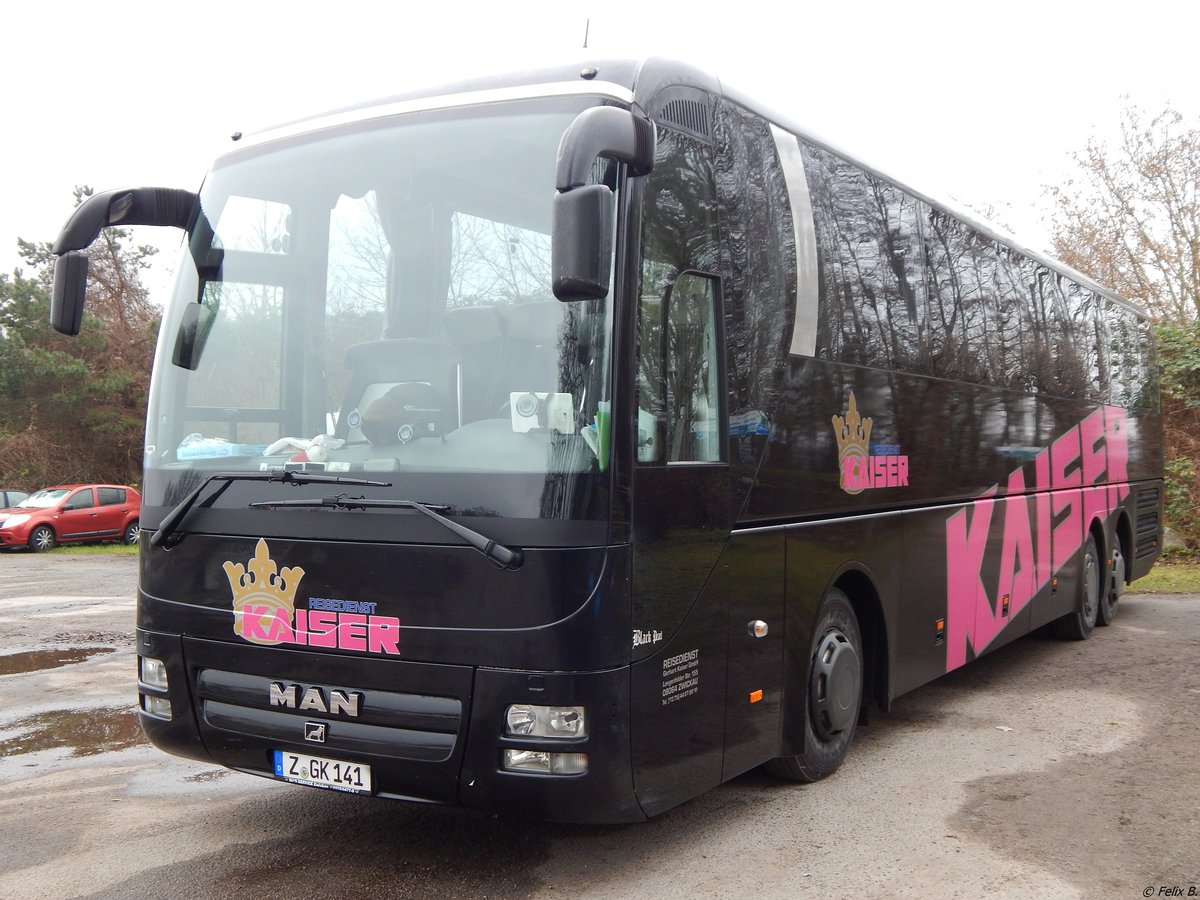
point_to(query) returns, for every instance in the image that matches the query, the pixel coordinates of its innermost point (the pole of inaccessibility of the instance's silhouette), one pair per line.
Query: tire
(834, 685)
(1078, 625)
(1107, 610)
(132, 533)
(42, 538)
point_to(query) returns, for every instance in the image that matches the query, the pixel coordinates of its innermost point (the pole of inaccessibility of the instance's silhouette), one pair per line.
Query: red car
(72, 513)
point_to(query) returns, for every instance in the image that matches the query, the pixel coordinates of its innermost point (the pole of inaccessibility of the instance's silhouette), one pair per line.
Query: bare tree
(1130, 218)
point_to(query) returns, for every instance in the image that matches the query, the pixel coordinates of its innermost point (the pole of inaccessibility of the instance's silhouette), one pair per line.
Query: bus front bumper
(430, 733)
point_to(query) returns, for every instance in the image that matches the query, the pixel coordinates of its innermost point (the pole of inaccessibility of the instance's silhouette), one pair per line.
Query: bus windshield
(374, 300)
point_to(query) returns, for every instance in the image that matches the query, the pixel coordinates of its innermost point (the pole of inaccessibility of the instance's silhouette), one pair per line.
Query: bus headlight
(152, 672)
(152, 676)
(524, 720)
(545, 763)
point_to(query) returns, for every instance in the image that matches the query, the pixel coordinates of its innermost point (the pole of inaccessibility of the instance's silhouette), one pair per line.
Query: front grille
(396, 725)
(410, 727)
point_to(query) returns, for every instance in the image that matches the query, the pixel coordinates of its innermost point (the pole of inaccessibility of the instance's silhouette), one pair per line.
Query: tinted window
(869, 261)
(963, 312)
(1083, 330)
(80, 500)
(759, 279)
(111, 496)
(677, 350)
(908, 287)
(1131, 380)
(693, 371)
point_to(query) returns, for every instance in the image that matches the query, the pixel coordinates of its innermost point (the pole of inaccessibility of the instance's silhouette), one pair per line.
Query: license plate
(317, 771)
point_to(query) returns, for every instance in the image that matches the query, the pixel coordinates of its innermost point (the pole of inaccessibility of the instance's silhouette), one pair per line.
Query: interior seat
(480, 335)
(377, 366)
(532, 359)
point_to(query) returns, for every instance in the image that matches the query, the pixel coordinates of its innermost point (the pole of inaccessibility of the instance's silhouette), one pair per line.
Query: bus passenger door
(680, 526)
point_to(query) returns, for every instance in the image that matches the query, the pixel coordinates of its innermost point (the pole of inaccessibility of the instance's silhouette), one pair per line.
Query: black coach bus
(566, 444)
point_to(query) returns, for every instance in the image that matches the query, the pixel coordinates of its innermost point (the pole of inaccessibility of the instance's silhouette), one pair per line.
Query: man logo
(315, 732)
(330, 701)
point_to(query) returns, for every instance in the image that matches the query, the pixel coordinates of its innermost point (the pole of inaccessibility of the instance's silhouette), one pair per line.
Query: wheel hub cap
(836, 685)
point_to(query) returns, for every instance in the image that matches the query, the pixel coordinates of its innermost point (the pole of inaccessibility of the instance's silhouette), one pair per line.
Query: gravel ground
(1046, 769)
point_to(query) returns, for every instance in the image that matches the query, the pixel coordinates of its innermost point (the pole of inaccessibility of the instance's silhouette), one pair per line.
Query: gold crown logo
(854, 439)
(265, 590)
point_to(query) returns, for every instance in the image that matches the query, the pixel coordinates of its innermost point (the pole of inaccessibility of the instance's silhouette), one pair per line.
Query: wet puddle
(37, 660)
(86, 732)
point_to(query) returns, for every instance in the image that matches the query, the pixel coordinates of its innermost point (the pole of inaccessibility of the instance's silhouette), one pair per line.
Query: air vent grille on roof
(689, 115)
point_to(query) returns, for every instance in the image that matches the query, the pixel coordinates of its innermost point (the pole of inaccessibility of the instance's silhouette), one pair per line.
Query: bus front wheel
(835, 679)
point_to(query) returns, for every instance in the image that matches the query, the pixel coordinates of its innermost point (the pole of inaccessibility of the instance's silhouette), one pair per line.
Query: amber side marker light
(755, 696)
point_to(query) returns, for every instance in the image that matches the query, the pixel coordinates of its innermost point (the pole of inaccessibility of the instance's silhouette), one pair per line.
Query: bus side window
(651, 404)
(693, 370)
(679, 396)
(679, 357)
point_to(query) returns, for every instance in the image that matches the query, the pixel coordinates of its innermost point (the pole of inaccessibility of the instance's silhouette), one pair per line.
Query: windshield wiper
(170, 522)
(502, 556)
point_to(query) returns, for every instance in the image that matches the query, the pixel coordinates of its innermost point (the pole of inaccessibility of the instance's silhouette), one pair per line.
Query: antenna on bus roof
(586, 28)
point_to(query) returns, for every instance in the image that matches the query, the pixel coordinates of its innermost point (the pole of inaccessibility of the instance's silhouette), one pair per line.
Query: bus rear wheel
(835, 679)
(1107, 610)
(1079, 625)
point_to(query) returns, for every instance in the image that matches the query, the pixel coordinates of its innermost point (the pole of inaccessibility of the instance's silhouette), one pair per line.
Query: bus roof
(636, 83)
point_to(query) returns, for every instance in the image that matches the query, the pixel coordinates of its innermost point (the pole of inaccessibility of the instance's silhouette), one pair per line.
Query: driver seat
(378, 366)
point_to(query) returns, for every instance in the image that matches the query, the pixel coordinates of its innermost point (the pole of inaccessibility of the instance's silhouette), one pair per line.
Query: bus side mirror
(581, 252)
(581, 244)
(70, 283)
(140, 206)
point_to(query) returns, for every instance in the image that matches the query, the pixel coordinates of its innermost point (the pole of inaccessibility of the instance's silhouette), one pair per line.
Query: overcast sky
(978, 102)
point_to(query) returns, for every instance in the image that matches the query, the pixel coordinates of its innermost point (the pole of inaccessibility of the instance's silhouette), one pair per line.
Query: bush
(1179, 368)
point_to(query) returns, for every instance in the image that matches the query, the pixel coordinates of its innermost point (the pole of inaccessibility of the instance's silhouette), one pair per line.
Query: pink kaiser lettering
(1040, 533)
(966, 542)
(858, 469)
(860, 473)
(264, 611)
(312, 628)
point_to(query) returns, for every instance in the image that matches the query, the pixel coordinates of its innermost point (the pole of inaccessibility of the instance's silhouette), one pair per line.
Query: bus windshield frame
(373, 301)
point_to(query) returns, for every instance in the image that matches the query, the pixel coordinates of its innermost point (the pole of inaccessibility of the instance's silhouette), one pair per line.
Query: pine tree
(73, 409)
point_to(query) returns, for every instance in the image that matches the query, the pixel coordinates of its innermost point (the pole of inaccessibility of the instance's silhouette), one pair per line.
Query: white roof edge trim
(442, 101)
